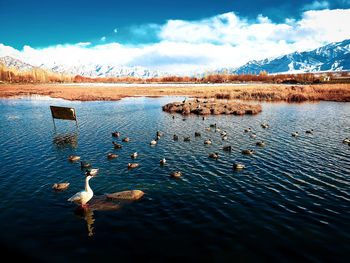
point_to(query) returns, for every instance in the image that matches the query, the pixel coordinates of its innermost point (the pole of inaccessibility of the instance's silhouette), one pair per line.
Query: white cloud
(103, 38)
(115, 30)
(214, 42)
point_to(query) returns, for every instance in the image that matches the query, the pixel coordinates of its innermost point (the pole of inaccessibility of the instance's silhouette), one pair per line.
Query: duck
(132, 165)
(84, 165)
(217, 130)
(227, 148)
(204, 118)
(154, 142)
(264, 125)
(117, 145)
(81, 198)
(214, 156)
(157, 138)
(159, 133)
(248, 130)
(262, 143)
(346, 140)
(295, 134)
(112, 156)
(175, 174)
(126, 139)
(92, 172)
(162, 161)
(134, 155)
(208, 142)
(187, 139)
(175, 137)
(115, 134)
(173, 117)
(61, 186)
(213, 125)
(224, 133)
(253, 136)
(238, 166)
(224, 138)
(208, 128)
(73, 158)
(197, 134)
(309, 131)
(247, 151)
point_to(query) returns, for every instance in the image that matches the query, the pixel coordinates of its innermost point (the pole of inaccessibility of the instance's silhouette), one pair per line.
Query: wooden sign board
(63, 113)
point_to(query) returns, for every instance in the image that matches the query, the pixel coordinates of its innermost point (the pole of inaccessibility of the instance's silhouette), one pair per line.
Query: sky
(180, 37)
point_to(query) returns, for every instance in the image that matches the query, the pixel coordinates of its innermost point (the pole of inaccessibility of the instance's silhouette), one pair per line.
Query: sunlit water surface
(290, 204)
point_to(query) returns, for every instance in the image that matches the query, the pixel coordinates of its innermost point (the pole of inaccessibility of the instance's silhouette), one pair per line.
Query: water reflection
(65, 140)
(87, 215)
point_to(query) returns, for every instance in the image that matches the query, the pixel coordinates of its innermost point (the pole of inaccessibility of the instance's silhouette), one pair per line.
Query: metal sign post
(63, 113)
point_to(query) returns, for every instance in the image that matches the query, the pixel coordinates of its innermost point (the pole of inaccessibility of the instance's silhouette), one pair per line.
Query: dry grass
(321, 92)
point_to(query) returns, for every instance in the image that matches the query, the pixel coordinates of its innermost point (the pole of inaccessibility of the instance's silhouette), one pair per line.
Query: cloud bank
(184, 47)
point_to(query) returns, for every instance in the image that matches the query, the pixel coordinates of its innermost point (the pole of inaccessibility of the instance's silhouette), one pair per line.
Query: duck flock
(81, 198)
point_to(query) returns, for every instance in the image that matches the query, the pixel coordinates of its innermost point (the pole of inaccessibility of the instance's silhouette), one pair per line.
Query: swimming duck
(134, 155)
(163, 161)
(214, 156)
(117, 145)
(126, 139)
(115, 134)
(264, 125)
(247, 151)
(217, 130)
(173, 117)
(81, 198)
(253, 136)
(227, 148)
(197, 134)
(208, 142)
(262, 143)
(224, 138)
(213, 125)
(132, 165)
(112, 156)
(84, 165)
(176, 137)
(310, 131)
(159, 133)
(91, 172)
(175, 174)
(208, 128)
(187, 139)
(295, 134)
(204, 118)
(157, 138)
(61, 186)
(238, 166)
(73, 158)
(224, 133)
(153, 142)
(248, 130)
(346, 140)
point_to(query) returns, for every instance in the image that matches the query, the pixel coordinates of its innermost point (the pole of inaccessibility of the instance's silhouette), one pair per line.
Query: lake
(291, 203)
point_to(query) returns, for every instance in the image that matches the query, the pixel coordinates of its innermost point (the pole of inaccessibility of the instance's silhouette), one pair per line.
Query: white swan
(81, 198)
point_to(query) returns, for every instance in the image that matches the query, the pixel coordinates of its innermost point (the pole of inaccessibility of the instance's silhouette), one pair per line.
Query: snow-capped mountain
(105, 71)
(332, 57)
(91, 70)
(12, 62)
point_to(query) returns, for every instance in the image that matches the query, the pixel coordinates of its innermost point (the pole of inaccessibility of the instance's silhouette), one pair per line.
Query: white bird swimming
(81, 198)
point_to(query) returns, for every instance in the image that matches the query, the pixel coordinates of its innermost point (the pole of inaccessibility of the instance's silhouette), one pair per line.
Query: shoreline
(253, 92)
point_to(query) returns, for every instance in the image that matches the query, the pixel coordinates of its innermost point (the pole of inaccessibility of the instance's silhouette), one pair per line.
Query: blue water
(290, 204)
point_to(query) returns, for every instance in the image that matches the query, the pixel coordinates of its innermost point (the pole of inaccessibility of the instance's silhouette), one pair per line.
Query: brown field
(288, 93)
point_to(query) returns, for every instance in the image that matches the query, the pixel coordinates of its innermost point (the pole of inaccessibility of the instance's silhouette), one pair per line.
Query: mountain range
(332, 57)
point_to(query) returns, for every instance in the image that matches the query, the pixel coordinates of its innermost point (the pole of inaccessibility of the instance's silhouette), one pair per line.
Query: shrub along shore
(256, 92)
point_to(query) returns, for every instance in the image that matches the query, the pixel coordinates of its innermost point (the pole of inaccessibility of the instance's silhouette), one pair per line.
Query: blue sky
(167, 35)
